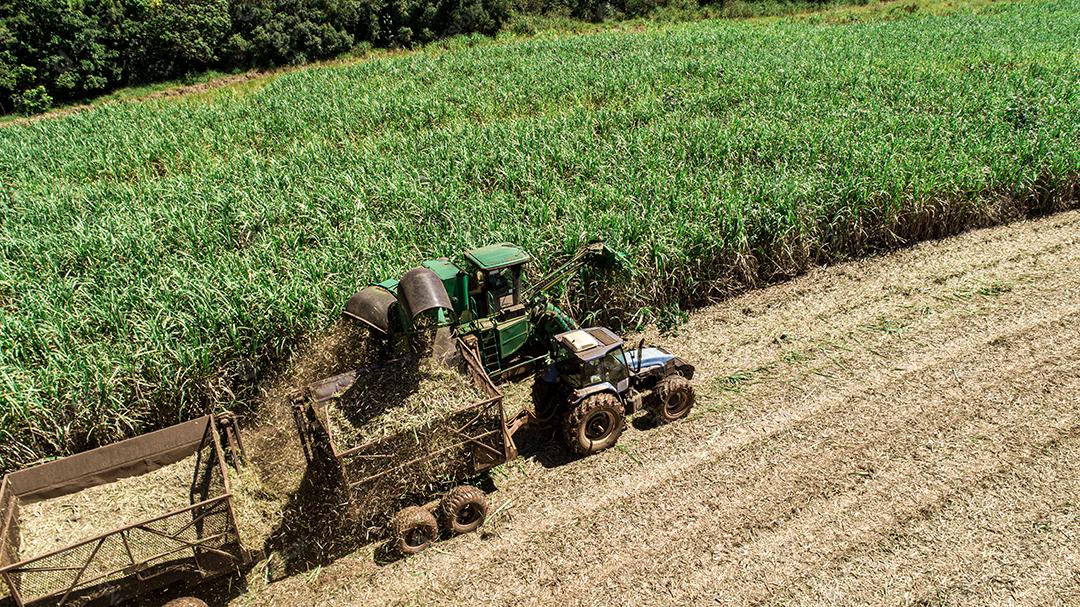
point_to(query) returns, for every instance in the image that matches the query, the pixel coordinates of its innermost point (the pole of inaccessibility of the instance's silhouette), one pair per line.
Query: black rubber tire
(674, 398)
(463, 509)
(594, 424)
(545, 398)
(186, 601)
(412, 530)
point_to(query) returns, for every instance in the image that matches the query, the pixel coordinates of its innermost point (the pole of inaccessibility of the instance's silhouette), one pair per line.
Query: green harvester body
(483, 298)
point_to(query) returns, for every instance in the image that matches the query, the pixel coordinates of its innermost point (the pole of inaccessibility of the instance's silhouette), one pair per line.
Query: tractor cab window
(571, 369)
(613, 366)
(582, 374)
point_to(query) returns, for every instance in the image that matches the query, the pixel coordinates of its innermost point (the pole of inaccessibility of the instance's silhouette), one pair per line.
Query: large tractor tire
(412, 530)
(594, 424)
(186, 601)
(463, 509)
(674, 398)
(545, 398)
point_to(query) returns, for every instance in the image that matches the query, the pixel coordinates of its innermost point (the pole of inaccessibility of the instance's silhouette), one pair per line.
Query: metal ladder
(489, 350)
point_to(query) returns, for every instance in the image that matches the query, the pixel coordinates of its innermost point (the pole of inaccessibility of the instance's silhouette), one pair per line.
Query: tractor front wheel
(412, 530)
(463, 509)
(594, 424)
(674, 398)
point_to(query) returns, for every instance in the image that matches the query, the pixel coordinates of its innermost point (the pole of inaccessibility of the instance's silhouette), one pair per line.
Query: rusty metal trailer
(394, 472)
(191, 543)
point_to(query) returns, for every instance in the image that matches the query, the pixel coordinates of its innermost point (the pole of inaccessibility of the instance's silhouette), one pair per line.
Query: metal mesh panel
(169, 544)
(383, 476)
(414, 464)
(175, 543)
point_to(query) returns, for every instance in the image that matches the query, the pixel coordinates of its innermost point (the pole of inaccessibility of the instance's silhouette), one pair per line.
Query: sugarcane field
(462, 302)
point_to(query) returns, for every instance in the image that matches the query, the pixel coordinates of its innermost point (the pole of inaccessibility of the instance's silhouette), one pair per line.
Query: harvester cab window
(477, 291)
(502, 289)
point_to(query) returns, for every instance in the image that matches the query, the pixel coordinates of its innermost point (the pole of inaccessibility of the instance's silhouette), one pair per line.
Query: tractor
(593, 384)
(482, 300)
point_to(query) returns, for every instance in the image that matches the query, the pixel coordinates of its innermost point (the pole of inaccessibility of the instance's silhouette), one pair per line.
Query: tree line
(64, 50)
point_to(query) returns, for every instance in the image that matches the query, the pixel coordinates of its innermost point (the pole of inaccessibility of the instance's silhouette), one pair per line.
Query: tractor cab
(587, 358)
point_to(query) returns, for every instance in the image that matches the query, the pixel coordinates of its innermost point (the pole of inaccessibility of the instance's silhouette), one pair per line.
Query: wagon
(179, 545)
(402, 472)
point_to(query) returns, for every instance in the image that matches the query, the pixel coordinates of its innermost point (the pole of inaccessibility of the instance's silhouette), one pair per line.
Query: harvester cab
(595, 384)
(497, 272)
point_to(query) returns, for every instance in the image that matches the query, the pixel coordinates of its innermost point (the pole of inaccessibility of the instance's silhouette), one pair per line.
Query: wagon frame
(483, 438)
(195, 542)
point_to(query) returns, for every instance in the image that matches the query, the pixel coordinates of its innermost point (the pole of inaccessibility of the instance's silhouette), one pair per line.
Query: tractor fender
(678, 366)
(579, 395)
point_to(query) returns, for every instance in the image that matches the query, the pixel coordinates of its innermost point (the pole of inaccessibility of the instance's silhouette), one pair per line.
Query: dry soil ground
(902, 430)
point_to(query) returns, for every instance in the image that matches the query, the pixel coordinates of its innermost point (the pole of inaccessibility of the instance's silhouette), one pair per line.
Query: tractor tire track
(850, 422)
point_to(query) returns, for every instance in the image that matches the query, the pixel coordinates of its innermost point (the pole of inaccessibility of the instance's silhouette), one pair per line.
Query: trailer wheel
(413, 529)
(674, 398)
(594, 424)
(464, 508)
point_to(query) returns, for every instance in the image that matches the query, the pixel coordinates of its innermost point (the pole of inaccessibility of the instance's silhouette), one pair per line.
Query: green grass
(129, 93)
(157, 258)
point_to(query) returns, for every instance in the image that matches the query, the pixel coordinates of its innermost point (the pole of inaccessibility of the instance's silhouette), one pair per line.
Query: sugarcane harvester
(483, 300)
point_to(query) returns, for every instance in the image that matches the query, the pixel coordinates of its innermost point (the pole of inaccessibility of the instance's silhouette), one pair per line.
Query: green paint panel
(512, 335)
(493, 257)
(455, 281)
(444, 269)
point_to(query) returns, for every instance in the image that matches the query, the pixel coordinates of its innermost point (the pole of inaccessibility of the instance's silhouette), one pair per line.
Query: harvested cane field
(902, 430)
(160, 258)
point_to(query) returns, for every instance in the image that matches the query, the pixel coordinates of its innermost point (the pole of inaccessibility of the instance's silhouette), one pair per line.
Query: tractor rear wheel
(412, 530)
(594, 424)
(674, 398)
(186, 601)
(463, 509)
(545, 398)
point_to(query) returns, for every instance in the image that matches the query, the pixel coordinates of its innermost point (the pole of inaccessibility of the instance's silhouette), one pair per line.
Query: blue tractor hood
(650, 357)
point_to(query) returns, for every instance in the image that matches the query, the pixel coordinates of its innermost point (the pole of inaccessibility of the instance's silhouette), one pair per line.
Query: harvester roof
(497, 256)
(589, 344)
